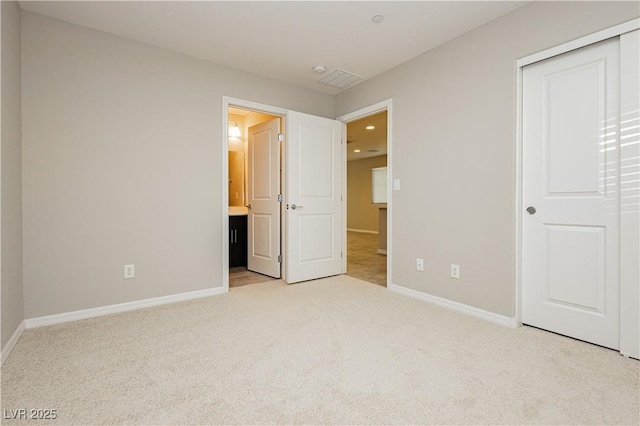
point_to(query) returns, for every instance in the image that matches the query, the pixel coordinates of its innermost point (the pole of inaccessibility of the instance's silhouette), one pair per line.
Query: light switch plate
(396, 184)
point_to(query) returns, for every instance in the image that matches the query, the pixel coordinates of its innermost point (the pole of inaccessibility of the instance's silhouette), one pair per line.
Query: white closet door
(571, 178)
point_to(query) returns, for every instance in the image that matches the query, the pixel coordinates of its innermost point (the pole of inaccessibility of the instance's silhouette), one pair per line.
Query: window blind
(379, 185)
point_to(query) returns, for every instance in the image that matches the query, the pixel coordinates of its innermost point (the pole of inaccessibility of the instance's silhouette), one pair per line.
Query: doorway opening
(307, 228)
(367, 198)
(254, 183)
(367, 133)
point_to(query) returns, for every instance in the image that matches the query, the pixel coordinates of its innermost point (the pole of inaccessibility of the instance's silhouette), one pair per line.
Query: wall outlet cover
(129, 271)
(455, 271)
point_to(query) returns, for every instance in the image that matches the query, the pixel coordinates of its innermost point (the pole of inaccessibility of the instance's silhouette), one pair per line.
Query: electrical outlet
(455, 271)
(129, 271)
(419, 264)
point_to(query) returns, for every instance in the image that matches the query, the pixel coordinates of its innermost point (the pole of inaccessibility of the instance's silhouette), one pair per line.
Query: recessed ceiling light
(370, 127)
(356, 150)
(377, 19)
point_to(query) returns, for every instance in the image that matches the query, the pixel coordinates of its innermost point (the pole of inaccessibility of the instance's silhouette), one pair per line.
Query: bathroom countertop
(238, 211)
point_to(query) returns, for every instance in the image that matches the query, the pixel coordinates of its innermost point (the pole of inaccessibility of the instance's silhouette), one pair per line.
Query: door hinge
(279, 258)
(279, 198)
(280, 137)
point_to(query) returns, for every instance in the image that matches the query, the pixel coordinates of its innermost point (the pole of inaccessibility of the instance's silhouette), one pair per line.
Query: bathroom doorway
(311, 168)
(254, 179)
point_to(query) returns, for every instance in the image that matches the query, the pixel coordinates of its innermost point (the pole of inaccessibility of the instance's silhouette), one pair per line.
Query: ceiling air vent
(340, 79)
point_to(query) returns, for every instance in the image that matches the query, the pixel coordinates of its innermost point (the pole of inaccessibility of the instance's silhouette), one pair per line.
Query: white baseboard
(380, 251)
(363, 231)
(12, 342)
(122, 307)
(459, 307)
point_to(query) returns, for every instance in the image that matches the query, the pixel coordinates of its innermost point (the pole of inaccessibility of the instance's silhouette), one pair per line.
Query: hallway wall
(362, 214)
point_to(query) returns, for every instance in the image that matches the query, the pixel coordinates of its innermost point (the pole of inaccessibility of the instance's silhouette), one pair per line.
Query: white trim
(380, 251)
(122, 307)
(361, 113)
(599, 36)
(458, 307)
(629, 216)
(615, 31)
(518, 200)
(228, 101)
(362, 231)
(12, 342)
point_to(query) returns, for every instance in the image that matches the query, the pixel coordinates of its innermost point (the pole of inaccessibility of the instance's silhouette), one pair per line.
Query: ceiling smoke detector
(376, 19)
(319, 69)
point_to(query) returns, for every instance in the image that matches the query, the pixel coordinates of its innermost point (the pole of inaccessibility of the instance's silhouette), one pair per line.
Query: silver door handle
(531, 210)
(293, 207)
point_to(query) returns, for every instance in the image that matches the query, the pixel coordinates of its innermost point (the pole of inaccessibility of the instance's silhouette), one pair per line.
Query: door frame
(227, 102)
(596, 37)
(386, 105)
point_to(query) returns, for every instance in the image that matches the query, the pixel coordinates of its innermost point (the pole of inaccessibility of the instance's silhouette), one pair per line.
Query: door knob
(531, 210)
(249, 206)
(293, 207)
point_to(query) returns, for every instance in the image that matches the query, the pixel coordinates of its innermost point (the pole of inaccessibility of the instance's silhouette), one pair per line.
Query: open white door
(570, 231)
(264, 207)
(314, 197)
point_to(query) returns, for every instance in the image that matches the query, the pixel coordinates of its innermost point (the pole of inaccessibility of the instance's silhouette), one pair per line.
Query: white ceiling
(284, 40)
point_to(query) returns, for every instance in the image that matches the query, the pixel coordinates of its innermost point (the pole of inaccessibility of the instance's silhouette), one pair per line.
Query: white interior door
(570, 223)
(314, 197)
(263, 190)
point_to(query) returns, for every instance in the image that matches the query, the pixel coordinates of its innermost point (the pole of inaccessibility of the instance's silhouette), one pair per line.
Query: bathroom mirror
(236, 178)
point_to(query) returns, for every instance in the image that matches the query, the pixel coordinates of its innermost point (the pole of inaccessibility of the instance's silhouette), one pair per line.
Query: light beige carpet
(331, 351)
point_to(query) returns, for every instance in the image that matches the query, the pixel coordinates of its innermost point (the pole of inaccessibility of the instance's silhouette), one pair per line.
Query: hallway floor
(363, 260)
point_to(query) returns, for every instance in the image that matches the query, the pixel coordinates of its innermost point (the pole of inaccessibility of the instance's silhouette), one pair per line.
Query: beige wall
(454, 112)
(361, 213)
(122, 158)
(11, 176)
(122, 164)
